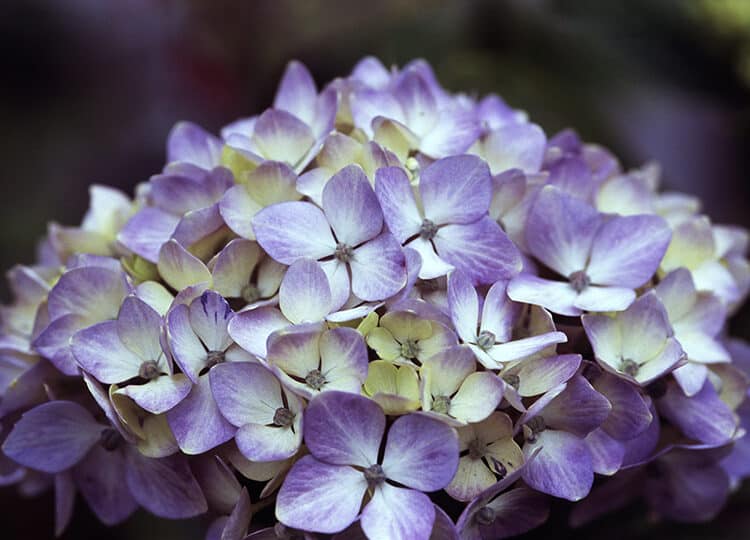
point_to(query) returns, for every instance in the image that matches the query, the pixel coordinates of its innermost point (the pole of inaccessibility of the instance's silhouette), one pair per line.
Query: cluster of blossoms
(364, 297)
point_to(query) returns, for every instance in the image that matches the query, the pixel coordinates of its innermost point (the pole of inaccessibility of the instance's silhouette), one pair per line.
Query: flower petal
(421, 452)
(99, 350)
(245, 393)
(292, 230)
(478, 396)
(562, 467)
(398, 514)
(397, 200)
(463, 304)
(378, 269)
(344, 429)
(557, 296)
(351, 206)
(209, 316)
(305, 295)
(159, 395)
(180, 268)
(456, 190)
(316, 496)
(250, 329)
(147, 231)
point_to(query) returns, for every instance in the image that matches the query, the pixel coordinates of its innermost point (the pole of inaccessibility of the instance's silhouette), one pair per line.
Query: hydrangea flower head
(382, 310)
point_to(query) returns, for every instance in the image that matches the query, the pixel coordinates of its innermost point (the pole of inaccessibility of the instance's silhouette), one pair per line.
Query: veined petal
(187, 349)
(463, 303)
(396, 197)
(296, 93)
(316, 496)
(305, 295)
(515, 146)
(191, 143)
(594, 298)
(250, 329)
(432, 265)
(627, 250)
(378, 268)
(99, 350)
(398, 514)
(180, 268)
(562, 467)
(139, 328)
(478, 396)
(237, 209)
(292, 230)
(146, 232)
(159, 395)
(351, 206)
(233, 267)
(421, 452)
(280, 136)
(456, 190)
(245, 393)
(480, 249)
(557, 296)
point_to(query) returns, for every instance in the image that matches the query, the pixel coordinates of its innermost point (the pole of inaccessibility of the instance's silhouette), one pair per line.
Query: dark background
(90, 89)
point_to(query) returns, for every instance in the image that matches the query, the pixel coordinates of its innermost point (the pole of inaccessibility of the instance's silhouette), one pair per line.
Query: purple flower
(130, 348)
(112, 475)
(347, 236)
(323, 492)
(603, 260)
(491, 338)
(198, 338)
(450, 228)
(554, 428)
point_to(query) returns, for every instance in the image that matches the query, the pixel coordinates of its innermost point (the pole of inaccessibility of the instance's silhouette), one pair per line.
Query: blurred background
(90, 89)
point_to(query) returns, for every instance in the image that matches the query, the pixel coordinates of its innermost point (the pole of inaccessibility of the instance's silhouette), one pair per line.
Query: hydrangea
(379, 309)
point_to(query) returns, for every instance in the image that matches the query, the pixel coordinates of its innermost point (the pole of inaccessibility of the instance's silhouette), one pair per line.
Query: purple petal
(562, 468)
(99, 351)
(281, 136)
(179, 194)
(320, 497)
(159, 395)
(198, 224)
(52, 437)
(417, 103)
(557, 296)
(93, 292)
(560, 230)
(594, 298)
(463, 304)
(454, 133)
(607, 453)
(499, 314)
(516, 511)
(378, 269)
(147, 231)
(398, 514)
(421, 452)
(165, 487)
(250, 329)
(189, 142)
(396, 198)
(196, 421)
(245, 393)
(522, 348)
(101, 479)
(579, 409)
(209, 316)
(456, 190)
(630, 415)
(139, 328)
(538, 375)
(305, 295)
(481, 250)
(291, 230)
(269, 443)
(238, 208)
(180, 268)
(338, 279)
(187, 349)
(691, 378)
(703, 417)
(627, 250)
(297, 93)
(515, 146)
(351, 206)
(431, 265)
(234, 266)
(344, 429)
(367, 104)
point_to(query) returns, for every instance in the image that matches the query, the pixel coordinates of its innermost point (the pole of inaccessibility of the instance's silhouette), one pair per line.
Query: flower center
(343, 252)
(485, 340)
(315, 379)
(250, 293)
(535, 426)
(476, 449)
(512, 380)
(579, 280)
(629, 367)
(441, 404)
(110, 439)
(374, 475)
(428, 230)
(283, 417)
(485, 516)
(213, 358)
(410, 349)
(149, 370)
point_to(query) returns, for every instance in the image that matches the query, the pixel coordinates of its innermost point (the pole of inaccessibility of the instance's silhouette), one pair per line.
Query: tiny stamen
(535, 426)
(579, 280)
(374, 475)
(149, 370)
(441, 404)
(213, 358)
(250, 293)
(410, 349)
(315, 379)
(428, 230)
(343, 252)
(511, 379)
(485, 516)
(283, 417)
(110, 439)
(629, 367)
(485, 340)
